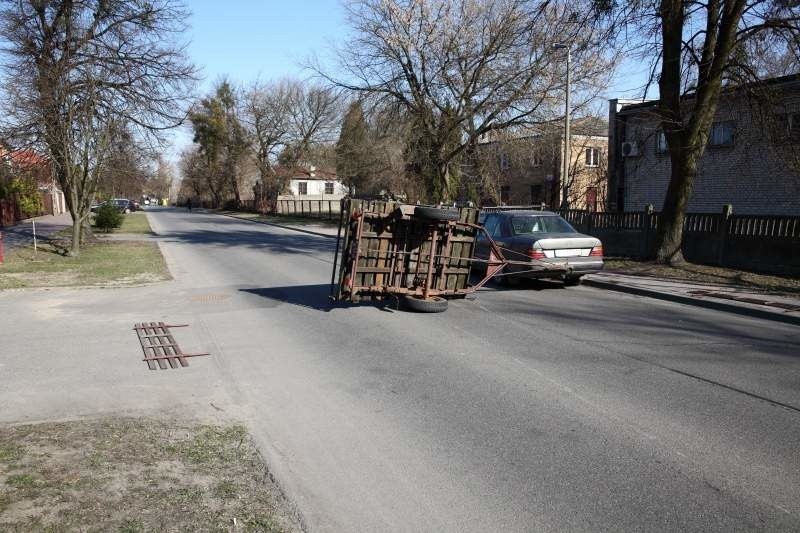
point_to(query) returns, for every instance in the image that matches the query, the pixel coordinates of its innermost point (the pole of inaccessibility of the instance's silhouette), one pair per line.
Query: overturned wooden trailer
(421, 254)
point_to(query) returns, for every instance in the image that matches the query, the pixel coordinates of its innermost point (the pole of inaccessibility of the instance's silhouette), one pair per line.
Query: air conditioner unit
(630, 149)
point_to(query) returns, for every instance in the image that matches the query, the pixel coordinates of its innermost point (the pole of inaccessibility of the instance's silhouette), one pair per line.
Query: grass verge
(99, 264)
(135, 475)
(705, 274)
(135, 223)
(131, 223)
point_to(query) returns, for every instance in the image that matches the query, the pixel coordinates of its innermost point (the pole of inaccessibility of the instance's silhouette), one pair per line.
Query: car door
(481, 243)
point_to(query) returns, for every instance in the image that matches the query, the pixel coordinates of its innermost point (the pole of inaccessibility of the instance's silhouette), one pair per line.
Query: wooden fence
(9, 212)
(326, 209)
(763, 243)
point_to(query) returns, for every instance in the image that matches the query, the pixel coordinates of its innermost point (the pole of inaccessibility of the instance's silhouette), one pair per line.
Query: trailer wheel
(433, 304)
(435, 213)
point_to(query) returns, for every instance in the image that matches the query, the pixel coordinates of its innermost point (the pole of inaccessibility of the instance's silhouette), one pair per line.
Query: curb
(292, 228)
(687, 300)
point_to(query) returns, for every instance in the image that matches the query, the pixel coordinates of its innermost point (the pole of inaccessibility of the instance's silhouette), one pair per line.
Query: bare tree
(288, 122)
(462, 68)
(78, 72)
(698, 50)
(314, 117)
(266, 117)
(194, 177)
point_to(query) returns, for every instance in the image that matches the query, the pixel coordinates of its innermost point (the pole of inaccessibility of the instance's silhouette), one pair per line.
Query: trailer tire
(435, 213)
(433, 304)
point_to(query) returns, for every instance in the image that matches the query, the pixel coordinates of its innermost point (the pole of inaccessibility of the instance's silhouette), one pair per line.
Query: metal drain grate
(210, 298)
(159, 346)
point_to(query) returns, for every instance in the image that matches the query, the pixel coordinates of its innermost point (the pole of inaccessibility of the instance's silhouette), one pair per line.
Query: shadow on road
(312, 297)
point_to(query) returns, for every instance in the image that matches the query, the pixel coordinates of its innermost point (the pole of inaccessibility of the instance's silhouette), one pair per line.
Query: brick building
(752, 160)
(527, 168)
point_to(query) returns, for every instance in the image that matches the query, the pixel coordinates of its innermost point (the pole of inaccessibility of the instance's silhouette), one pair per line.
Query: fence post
(647, 219)
(722, 231)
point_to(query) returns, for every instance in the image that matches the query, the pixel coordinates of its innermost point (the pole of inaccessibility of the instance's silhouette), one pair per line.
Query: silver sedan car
(540, 237)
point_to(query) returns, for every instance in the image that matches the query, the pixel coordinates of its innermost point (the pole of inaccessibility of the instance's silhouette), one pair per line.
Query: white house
(313, 184)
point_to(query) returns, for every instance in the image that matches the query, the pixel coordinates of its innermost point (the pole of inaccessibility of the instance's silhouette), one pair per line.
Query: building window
(328, 187)
(592, 157)
(302, 187)
(505, 194)
(536, 160)
(505, 162)
(661, 143)
(721, 134)
(788, 126)
(537, 194)
(591, 199)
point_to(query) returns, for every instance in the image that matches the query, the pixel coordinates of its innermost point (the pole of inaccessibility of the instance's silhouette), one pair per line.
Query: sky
(270, 39)
(248, 39)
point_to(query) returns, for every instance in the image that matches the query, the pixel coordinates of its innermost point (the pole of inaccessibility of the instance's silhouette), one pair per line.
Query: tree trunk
(237, 198)
(670, 225)
(77, 225)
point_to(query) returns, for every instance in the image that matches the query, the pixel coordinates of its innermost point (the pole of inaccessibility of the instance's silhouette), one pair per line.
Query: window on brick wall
(591, 199)
(661, 143)
(722, 133)
(537, 194)
(505, 161)
(787, 126)
(505, 194)
(592, 157)
(302, 187)
(328, 187)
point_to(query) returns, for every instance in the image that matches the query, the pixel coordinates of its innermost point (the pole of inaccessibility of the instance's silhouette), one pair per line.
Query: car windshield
(540, 224)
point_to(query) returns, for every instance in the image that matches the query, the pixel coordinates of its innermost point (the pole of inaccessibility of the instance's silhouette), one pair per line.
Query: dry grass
(99, 264)
(135, 223)
(705, 274)
(135, 475)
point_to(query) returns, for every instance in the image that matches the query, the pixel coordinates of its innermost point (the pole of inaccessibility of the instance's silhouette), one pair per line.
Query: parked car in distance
(540, 237)
(122, 204)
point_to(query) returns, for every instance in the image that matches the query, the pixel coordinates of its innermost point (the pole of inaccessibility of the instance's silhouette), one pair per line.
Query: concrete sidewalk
(21, 234)
(741, 300)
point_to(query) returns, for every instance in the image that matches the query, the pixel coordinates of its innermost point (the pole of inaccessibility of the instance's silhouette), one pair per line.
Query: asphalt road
(538, 409)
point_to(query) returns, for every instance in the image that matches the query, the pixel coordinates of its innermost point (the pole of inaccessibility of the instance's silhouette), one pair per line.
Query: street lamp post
(566, 157)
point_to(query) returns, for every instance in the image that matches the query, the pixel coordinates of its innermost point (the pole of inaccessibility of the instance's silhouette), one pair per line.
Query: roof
(579, 127)
(24, 158)
(770, 82)
(302, 173)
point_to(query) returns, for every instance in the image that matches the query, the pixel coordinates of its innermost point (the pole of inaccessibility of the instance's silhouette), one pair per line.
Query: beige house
(526, 169)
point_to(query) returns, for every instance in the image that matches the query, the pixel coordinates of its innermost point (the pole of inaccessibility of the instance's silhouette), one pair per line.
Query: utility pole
(565, 160)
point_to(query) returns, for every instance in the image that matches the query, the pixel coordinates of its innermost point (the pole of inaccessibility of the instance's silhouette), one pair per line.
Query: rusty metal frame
(159, 345)
(440, 241)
